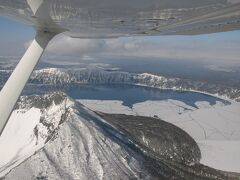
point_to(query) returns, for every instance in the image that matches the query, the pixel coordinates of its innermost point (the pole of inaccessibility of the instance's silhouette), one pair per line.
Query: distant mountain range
(67, 77)
(56, 76)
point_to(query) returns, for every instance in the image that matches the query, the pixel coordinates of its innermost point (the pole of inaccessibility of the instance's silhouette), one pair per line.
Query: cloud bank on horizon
(219, 47)
(176, 47)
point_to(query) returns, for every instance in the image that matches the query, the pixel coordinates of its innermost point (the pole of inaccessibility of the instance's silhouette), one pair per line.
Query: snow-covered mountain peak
(32, 124)
(78, 150)
(51, 71)
(87, 146)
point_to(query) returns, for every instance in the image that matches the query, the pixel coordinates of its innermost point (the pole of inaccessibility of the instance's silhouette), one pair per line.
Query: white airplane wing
(108, 19)
(114, 18)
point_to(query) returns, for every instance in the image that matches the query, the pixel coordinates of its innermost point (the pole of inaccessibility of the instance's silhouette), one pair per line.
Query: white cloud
(67, 45)
(190, 49)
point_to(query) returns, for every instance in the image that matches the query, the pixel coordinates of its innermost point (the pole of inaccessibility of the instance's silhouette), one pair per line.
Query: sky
(218, 47)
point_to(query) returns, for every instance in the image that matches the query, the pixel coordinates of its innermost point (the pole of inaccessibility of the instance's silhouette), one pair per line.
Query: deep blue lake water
(129, 94)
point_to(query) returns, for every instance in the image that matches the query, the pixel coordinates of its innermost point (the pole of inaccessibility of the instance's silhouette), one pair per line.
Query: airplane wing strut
(16, 82)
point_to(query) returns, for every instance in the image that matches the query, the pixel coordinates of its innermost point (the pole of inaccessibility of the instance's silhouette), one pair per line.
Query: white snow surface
(80, 150)
(19, 141)
(216, 128)
(18, 135)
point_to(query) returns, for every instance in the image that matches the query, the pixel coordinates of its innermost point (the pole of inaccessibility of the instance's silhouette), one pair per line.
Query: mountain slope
(73, 146)
(79, 144)
(32, 124)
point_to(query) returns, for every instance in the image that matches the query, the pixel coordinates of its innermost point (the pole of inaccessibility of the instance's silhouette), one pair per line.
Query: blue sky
(13, 29)
(219, 46)
(13, 36)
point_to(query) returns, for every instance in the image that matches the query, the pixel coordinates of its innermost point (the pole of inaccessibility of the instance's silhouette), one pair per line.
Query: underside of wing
(114, 18)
